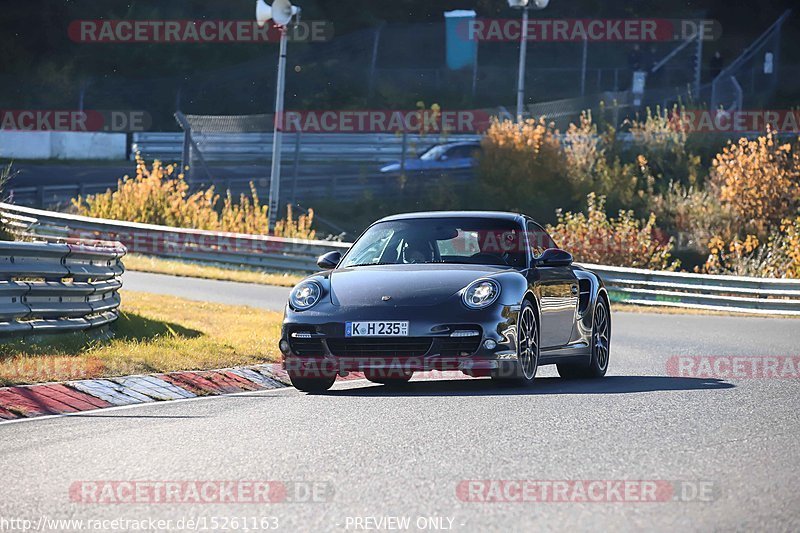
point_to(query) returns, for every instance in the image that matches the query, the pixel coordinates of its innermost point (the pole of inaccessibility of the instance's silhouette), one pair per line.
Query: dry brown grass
(153, 334)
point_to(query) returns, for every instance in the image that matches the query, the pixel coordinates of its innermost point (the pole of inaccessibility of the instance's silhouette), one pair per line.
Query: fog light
(465, 333)
(489, 344)
(284, 346)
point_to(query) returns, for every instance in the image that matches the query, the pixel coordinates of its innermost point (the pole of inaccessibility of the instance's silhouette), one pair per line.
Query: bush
(790, 246)
(591, 168)
(779, 257)
(662, 138)
(758, 181)
(522, 168)
(158, 195)
(692, 215)
(622, 241)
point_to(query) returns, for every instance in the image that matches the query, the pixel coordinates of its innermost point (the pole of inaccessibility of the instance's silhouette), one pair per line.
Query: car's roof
(457, 143)
(467, 143)
(500, 215)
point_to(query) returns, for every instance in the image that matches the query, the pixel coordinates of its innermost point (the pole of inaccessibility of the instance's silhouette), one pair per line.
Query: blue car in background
(446, 156)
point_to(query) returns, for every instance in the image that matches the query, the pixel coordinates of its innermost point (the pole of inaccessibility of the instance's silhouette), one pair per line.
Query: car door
(558, 288)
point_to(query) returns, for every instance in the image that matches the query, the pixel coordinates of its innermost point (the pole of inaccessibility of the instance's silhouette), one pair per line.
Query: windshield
(480, 241)
(433, 153)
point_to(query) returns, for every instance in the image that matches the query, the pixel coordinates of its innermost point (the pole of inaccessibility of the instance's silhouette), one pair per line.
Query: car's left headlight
(305, 295)
(481, 293)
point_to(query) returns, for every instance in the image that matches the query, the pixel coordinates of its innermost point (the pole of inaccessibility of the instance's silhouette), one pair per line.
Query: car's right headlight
(305, 295)
(481, 293)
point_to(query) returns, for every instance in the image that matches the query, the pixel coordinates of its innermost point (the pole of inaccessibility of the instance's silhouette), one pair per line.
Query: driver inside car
(418, 251)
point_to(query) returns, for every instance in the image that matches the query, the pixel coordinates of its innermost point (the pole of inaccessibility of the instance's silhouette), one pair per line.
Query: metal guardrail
(341, 187)
(54, 288)
(630, 285)
(767, 296)
(353, 147)
(236, 249)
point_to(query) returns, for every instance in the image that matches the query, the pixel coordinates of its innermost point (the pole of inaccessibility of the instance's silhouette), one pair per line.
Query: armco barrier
(52, 288)
(631, 285)
(198, 245)
(344, 188)
(307, 147)
(700, 291)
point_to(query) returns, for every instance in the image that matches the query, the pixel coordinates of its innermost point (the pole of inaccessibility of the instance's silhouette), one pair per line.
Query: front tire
(524, 371)
(315, 384)
(601, 345)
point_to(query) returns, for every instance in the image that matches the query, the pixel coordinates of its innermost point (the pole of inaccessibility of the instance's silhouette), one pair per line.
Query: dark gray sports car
(485, 293)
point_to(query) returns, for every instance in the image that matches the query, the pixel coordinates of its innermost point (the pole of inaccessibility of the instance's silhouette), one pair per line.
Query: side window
(454, 152)
(538, 239)
(462, 151)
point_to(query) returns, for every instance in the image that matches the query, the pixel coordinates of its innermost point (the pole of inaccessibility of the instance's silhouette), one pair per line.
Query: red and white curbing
(27, 401)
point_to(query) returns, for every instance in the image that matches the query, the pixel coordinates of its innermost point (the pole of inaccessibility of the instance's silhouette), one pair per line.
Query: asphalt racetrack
(721, 453)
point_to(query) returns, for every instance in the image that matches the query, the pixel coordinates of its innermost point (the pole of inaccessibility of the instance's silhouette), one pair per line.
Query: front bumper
(314, 341)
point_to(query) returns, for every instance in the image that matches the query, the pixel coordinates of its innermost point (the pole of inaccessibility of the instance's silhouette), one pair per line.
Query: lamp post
(281, 13)
(525, 5)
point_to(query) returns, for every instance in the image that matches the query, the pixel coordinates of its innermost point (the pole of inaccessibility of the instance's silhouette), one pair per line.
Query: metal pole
(583, 65)
(296, 166)
(475, 72)
(275, 176)
(523, 49)
(374, 63)
(403, 153)
(698, 66)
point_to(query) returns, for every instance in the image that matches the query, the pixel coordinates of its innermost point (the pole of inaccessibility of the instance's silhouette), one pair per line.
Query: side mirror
(329, 261)
(444, 157)
(554, 257)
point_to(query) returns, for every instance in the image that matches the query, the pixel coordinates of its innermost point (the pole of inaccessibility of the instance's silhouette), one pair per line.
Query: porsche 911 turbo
(484, 293)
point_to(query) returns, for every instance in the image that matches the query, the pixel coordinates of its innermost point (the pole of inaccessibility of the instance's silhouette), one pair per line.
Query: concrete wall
(62, 145)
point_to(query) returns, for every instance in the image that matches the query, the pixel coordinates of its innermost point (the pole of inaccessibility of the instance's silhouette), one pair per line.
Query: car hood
(406, 285)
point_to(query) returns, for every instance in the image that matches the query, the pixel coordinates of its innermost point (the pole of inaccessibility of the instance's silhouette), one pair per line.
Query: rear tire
(306, 384)
(601, 345)
(523, 372)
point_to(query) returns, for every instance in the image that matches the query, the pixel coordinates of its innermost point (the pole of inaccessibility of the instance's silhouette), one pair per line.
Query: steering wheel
(414, 257)
(490, 258)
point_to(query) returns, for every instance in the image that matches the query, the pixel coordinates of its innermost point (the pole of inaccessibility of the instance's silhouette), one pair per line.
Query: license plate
(376, 329)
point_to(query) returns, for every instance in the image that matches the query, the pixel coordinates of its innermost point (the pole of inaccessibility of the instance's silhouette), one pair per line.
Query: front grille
(380, 347)
(306, 347)
(456, 346)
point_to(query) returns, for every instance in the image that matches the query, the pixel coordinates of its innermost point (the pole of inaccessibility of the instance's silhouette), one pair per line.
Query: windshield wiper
(371, 264)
